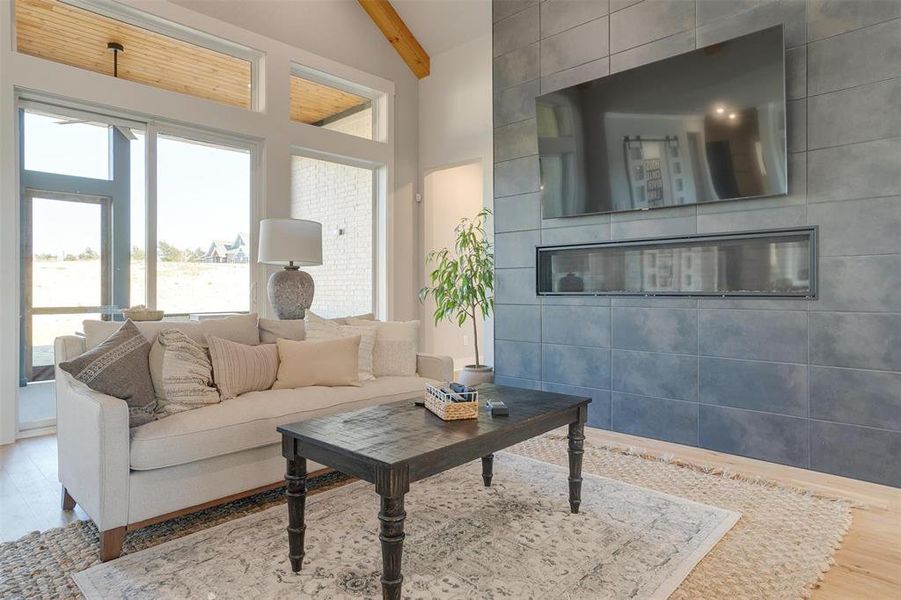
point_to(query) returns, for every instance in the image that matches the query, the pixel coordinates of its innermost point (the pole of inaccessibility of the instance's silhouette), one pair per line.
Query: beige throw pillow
(396, 346)
(288, 329)
(187, 376)
(239, 368)
(327, 329)
(325, 362)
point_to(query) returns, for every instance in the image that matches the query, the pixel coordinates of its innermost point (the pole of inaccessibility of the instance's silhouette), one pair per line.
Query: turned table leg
(296, 478)
(391, 534)
(576, 445)
(487, 469)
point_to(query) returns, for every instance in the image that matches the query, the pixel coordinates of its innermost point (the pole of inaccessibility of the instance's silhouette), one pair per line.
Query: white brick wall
(341, 198)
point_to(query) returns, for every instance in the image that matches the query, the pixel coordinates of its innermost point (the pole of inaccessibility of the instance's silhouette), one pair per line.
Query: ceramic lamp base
(290, 293)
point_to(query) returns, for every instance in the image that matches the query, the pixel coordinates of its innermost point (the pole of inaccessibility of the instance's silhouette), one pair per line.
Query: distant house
(227, 252)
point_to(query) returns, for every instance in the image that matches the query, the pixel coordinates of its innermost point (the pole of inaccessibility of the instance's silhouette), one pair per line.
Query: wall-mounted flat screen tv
(705, 126)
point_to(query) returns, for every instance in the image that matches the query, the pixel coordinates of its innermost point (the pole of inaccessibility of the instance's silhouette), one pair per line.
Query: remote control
(497, 408)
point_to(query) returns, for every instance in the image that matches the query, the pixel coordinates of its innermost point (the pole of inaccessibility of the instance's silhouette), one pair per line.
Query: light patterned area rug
(516, 539)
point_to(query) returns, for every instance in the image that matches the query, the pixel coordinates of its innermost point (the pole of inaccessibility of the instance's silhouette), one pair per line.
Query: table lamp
(291, 243)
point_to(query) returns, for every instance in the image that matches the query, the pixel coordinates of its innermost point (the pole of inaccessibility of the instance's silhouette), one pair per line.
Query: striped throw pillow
(239, 368)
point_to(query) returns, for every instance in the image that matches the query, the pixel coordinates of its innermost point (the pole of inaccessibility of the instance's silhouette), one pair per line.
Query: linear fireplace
(776, 263)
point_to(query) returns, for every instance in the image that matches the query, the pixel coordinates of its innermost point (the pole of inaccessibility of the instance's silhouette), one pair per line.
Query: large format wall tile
(516, 322)
(518, 176)
(648, 21)
(576, 325)
(655, 329)
(598, 410)
(501, 9)
(870, 398)
(580, 234)
(713, 10)
(579, 45)
(796, 73)
(654, 51)
(517, 359)
(862, 341)
(672, 376)
(515, 286)
(633, 225)
(860, 283)
(864, 170)
(559, 15)
(868, 226)
(776, 438)
(668, 420)
(859, 114)
(515, 140)
(859, 452)
(789, 13)
(827, 18)
(754, 334)
(756, 385)
(516, 31)
(517, 213)
(516, 67)
(861, 56)
(748, 220)
(576, 365)
(516, 103)
(515, 249)
(517, 382)
(585, 72)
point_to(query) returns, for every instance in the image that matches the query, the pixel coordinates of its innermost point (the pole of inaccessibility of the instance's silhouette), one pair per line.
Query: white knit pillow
(239, 368)
(187, 377)
(396, 346)
(327, 329)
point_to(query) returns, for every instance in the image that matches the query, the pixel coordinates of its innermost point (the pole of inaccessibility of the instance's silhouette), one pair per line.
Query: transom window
(152, 51)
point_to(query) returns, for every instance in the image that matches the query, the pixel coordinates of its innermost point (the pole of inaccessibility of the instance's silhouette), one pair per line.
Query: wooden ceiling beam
(386, 18)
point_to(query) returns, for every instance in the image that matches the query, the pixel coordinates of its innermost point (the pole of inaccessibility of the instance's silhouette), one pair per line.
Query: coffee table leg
(392, 517)
(487, 469)
(296, 478)
(576, 445)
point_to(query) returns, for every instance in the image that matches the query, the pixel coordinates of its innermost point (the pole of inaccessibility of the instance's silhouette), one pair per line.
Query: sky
(203, 192)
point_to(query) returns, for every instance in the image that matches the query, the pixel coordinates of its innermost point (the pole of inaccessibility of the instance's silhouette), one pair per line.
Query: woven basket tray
(445, 408)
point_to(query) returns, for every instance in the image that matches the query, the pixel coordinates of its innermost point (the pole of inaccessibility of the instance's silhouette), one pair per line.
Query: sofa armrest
(434, 366)
(93, 442)
(67, 347)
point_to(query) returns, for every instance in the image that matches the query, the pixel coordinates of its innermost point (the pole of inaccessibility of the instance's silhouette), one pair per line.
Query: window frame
(376, 97)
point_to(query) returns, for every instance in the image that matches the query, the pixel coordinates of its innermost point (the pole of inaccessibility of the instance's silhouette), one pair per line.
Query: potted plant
(462, 285)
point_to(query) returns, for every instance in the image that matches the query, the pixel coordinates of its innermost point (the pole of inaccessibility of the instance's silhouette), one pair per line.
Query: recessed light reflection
(732, 116)
(720, 110)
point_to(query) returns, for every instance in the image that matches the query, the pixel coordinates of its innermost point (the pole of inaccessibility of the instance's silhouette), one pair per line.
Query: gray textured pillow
(288, 329)
(119, 367)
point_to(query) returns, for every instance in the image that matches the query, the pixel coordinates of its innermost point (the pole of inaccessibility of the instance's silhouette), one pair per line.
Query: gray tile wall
(813, 384)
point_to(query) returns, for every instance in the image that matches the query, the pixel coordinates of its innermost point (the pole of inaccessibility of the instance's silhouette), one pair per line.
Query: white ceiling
(440, 25)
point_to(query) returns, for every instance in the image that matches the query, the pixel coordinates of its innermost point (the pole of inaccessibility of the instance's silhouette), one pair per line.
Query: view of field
(182, 287)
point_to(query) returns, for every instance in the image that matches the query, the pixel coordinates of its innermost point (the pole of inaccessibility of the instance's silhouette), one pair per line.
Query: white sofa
(188, 461)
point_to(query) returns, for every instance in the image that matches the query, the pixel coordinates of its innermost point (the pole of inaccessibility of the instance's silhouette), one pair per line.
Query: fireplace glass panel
(776, 264)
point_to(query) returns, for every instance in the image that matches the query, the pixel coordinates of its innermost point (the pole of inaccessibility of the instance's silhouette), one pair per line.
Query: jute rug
(516, 539)
(779, 549)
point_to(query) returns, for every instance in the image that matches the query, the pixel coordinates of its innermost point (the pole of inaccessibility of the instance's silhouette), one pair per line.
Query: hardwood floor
(868, 565)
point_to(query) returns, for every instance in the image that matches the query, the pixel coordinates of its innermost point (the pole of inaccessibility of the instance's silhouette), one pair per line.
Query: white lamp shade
(283, 241)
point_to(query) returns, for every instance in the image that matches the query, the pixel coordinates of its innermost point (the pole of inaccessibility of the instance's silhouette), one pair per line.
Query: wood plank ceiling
(314, 103)
(56, 31)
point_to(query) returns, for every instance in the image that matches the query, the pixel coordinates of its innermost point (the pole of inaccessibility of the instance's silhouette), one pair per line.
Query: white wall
(335, 37)
(455, 128)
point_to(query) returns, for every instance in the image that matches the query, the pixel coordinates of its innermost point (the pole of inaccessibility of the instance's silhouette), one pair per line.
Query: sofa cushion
(238, 328)
(288, 329)
(249, 421)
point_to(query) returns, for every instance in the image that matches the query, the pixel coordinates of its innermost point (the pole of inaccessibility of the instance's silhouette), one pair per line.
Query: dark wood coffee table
(393, 445)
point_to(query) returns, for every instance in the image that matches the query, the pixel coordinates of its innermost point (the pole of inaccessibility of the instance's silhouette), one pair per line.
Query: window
(154, 52)
(329, 107)
(67, 146)
(341, 197)
(203, 215)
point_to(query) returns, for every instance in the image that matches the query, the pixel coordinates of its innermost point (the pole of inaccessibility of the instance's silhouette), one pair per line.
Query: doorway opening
(450, 194)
